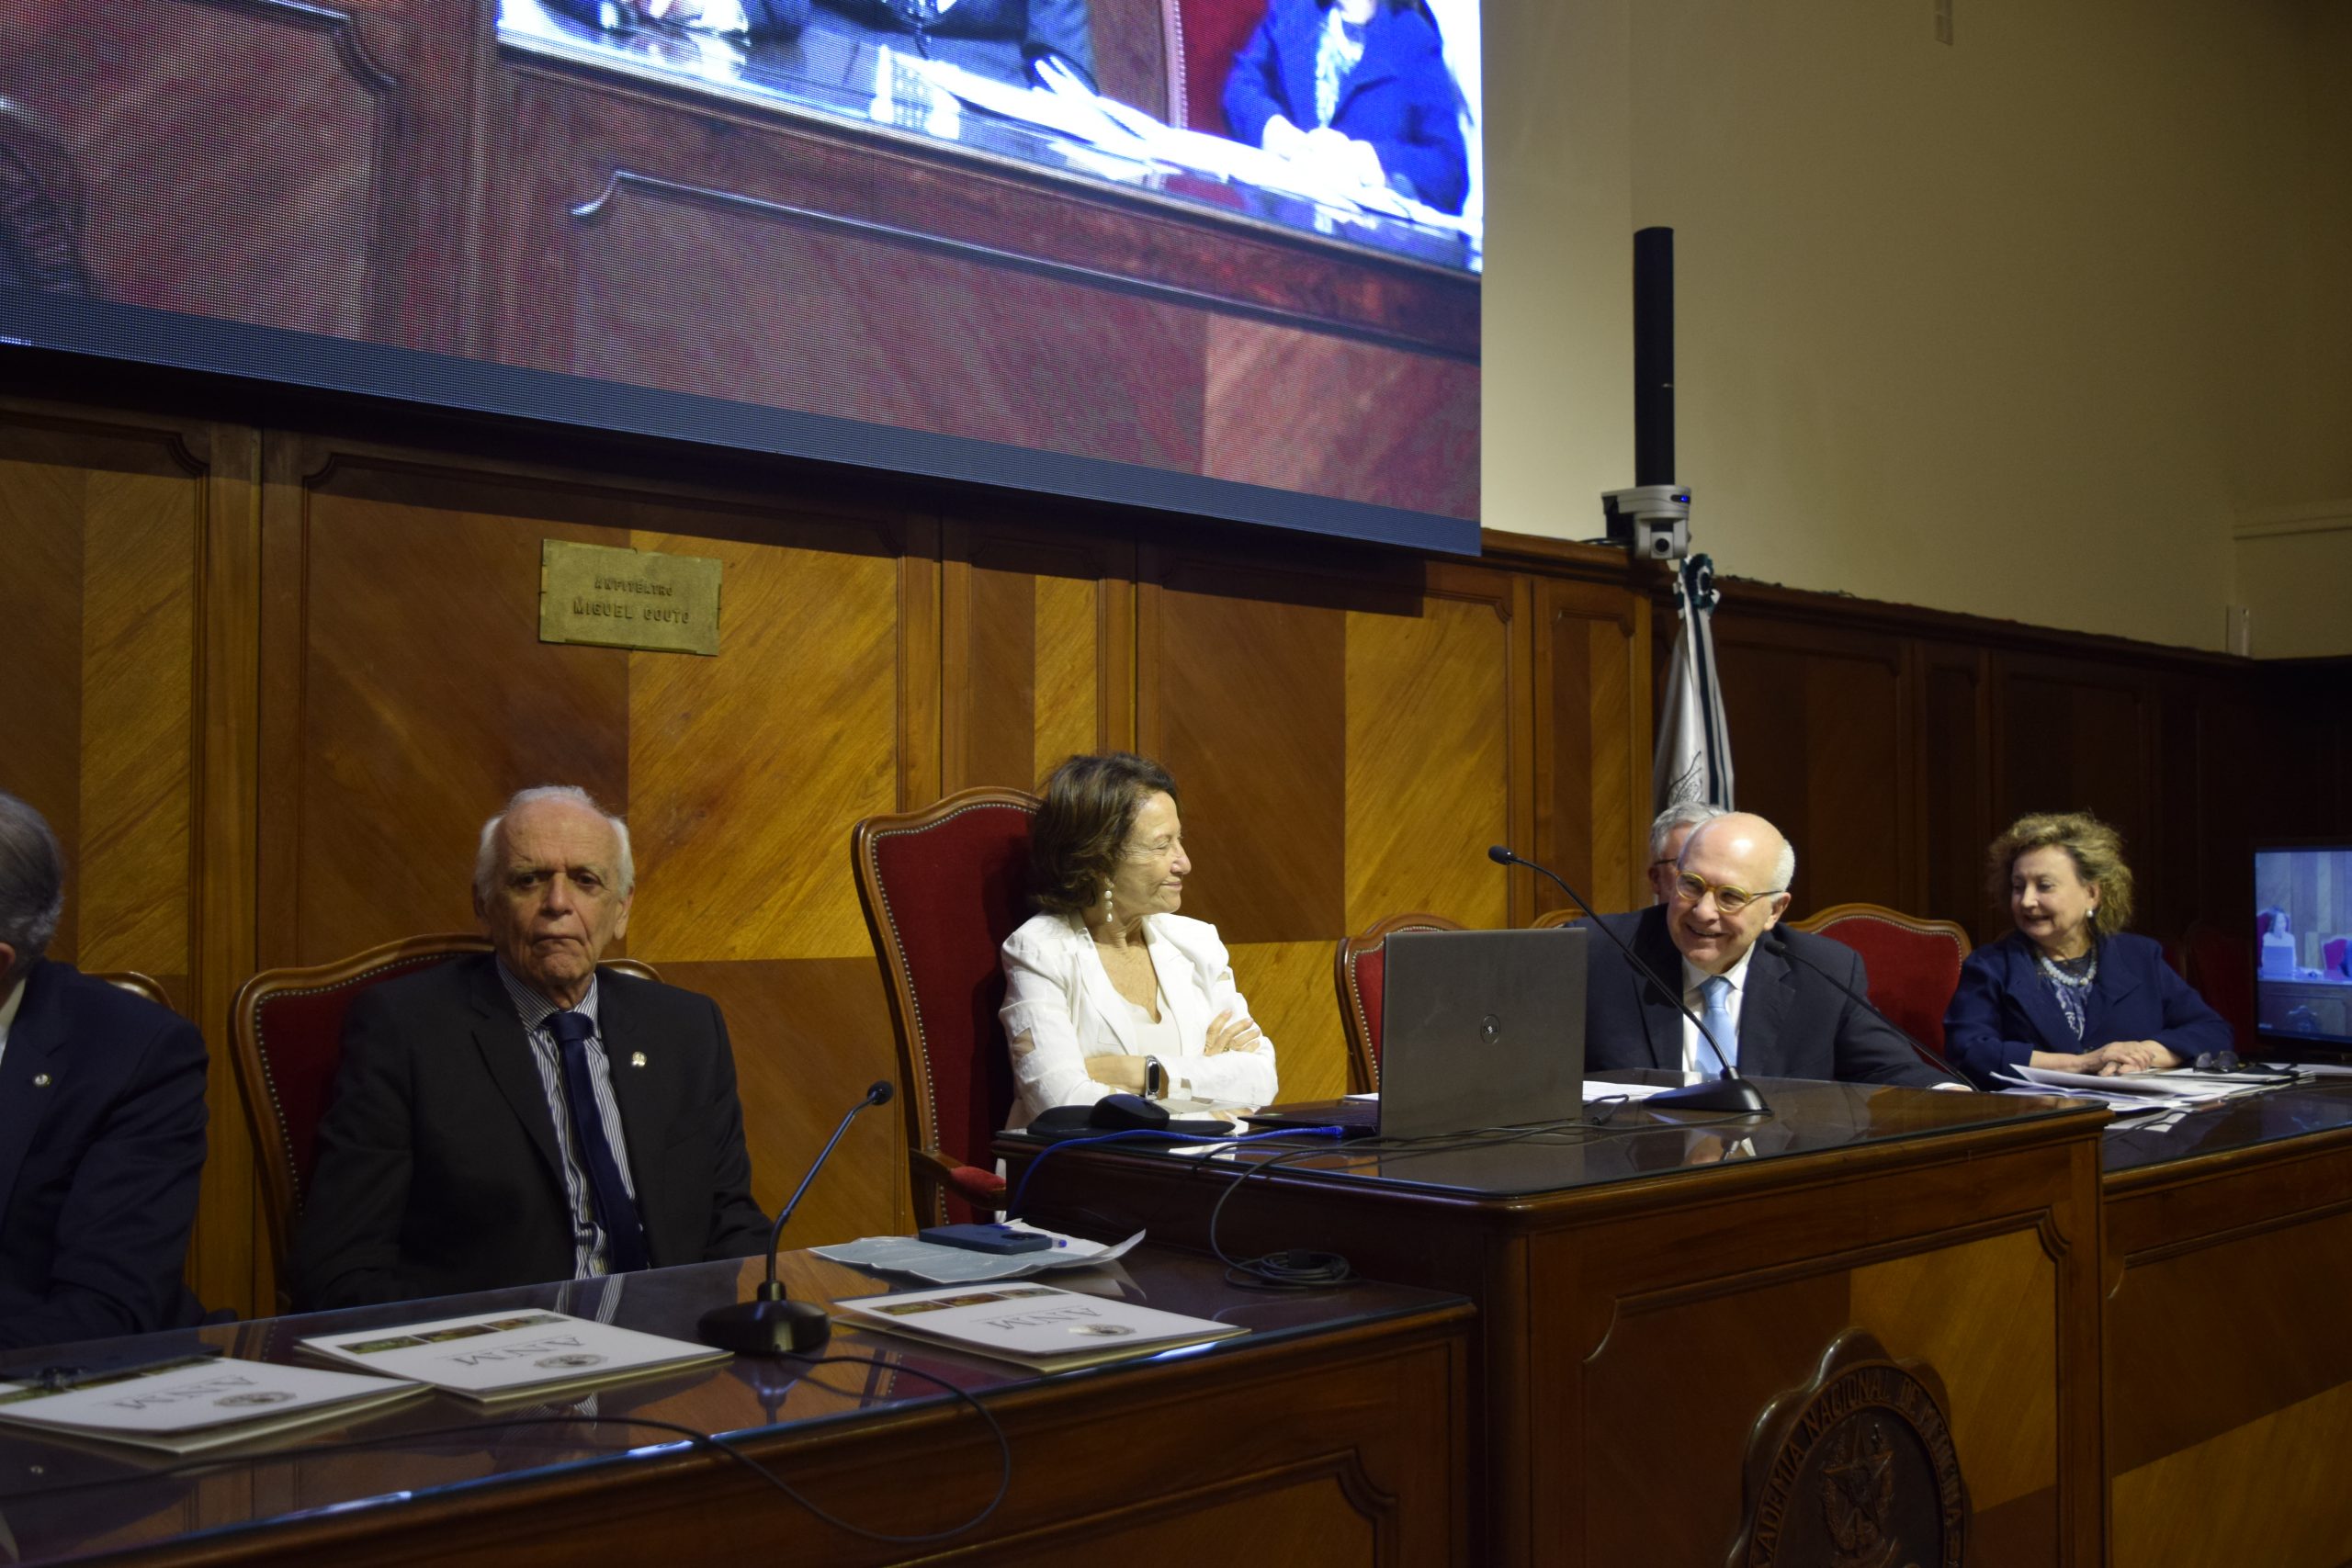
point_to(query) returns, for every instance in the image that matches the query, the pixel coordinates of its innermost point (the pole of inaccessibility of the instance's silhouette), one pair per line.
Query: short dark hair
(32, 883)
(1090, 807)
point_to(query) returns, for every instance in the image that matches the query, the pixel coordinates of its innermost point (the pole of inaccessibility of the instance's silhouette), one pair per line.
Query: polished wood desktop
(1332, 1433)
(2228, 1364)
(1647, 1289)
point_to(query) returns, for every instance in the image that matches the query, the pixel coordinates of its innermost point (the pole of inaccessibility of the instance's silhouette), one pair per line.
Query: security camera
(1653, 519)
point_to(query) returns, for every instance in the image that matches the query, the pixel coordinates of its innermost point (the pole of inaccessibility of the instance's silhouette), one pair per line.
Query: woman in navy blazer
(2068, 989)
(1395, 115)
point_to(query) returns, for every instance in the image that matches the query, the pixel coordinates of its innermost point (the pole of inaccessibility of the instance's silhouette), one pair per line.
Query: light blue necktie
(1718, 1021)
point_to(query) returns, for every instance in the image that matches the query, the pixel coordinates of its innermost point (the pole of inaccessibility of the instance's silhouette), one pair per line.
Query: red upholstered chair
(288, 1025)
(2332, 955)
(2219, 968)
(1203, 36)
(942, 888)
(1914, 962)
(1358, 968)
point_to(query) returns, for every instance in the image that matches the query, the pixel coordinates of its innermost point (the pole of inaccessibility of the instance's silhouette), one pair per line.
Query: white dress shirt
(1696, 1058)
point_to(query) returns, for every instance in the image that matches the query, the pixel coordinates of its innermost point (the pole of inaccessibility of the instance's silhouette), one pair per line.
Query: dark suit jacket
(1792, 1023)
(2003, 1011)
(1400, 97)
(98, 1167)
(437, 1167)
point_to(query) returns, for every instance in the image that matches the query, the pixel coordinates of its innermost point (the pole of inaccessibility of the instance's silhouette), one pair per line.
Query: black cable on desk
(695, 1438)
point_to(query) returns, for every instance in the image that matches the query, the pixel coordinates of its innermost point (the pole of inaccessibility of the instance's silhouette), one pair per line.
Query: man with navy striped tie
(520, 1116)
(1772, 1017)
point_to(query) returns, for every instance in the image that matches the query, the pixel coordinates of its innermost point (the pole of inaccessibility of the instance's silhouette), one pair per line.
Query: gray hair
(1784, 865)
(486, 852)
(1681, 814)
(32, 883)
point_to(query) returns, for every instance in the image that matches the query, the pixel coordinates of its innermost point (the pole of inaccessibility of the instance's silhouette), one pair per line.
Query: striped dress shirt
(589, 1252)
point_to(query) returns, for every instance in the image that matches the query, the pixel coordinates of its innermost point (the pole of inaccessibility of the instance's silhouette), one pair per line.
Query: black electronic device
(986, 1238)
(772, 1324)
(1729, 1093)
(2301, 948)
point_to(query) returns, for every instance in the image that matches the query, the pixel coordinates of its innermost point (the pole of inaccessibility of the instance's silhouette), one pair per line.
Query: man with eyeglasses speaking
(1772, 1009)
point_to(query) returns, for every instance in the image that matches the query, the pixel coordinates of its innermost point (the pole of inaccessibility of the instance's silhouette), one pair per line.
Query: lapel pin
(40, 1080)
(637, 1059)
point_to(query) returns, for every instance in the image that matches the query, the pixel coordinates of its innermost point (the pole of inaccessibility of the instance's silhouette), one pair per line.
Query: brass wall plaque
(627, 598)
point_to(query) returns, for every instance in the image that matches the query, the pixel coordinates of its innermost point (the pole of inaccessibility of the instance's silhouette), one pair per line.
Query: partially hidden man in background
(519, 1116)
(101, 1126)
(1771, 1015)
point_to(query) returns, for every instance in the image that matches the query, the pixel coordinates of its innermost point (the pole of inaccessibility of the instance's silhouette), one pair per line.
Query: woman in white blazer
(1107, 989)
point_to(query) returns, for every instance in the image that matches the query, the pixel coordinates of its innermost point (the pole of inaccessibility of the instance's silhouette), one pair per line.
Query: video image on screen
(2303, 942)
(1213, 255)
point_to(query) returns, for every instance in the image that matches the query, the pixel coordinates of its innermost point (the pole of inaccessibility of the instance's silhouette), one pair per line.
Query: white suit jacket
(1059, 1008)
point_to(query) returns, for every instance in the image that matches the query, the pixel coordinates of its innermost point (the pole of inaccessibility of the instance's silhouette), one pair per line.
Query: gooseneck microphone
(772, 1324)
(1730, 1092)
(1781, 944)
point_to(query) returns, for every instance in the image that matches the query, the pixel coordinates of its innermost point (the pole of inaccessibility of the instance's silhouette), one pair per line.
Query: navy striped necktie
(616, 1210)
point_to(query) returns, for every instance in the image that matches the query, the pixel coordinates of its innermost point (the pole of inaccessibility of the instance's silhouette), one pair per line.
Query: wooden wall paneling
(229, 1254)
(128, 536)
(1439, 730)
(1955, 740)
(746, 771)
(1241, 672)
(415, 696)
(44, 497)
(1592, 744)
(2080, 735)
(1821, 725)
(419, 697)
(1038, 632)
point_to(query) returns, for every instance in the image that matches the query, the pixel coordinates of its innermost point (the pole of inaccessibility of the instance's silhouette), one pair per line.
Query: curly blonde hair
(2095, 849)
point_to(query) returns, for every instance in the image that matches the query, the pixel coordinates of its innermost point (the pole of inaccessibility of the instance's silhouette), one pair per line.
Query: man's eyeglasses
(1691, 888)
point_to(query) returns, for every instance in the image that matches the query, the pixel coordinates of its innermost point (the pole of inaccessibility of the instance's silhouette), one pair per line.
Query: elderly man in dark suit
(101, 1126)
(1759, 991)
(520, 1117)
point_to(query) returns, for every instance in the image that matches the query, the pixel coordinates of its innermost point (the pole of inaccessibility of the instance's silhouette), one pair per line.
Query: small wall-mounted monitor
(2302, 932)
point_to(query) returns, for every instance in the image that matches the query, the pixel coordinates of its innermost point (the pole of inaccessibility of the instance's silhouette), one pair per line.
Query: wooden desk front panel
(1345, 1451)
(1630, 1333)
(2229, 1373)
(1663, 1334)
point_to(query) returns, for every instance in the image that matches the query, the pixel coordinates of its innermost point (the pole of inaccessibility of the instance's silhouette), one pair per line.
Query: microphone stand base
(766, 1328)
(1736, 1096)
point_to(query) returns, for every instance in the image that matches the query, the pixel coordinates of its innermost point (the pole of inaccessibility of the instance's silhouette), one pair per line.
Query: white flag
(1693, 744)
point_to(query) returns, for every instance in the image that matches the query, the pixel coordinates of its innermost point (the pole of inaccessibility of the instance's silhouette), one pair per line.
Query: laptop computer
(1478, 1029)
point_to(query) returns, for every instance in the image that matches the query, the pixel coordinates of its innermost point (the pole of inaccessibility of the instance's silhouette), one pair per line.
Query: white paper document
(499, 1356)
(961, 1265)
(1038, 1326)
(197, 1405)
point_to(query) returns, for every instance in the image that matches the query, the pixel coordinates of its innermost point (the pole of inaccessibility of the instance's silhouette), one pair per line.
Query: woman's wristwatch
(1155, 1080)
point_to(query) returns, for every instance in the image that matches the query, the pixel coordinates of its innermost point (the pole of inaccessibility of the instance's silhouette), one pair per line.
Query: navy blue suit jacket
(2003, 1011)
(437, 1169)
(1400, 97)
(101, 1145)
(1792, 1023)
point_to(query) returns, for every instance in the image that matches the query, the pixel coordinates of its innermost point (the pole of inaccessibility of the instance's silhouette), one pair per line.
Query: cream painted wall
(2021, 325)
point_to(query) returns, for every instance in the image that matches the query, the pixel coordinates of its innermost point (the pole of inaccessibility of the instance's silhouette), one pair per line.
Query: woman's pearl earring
(1108, 914)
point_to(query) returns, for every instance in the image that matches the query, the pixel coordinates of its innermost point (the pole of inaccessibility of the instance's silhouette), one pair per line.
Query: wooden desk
(1332, 1434)
(2229, 1369)
(1646, 1290)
